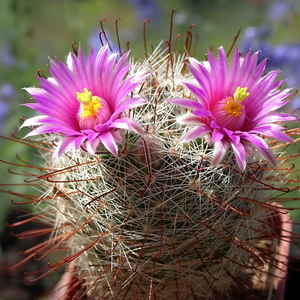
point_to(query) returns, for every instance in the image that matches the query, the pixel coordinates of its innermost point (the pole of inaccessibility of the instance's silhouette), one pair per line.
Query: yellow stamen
(233, 106)
(90, 105)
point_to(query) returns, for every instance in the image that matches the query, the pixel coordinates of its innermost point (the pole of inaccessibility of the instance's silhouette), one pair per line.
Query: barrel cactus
(160, 175)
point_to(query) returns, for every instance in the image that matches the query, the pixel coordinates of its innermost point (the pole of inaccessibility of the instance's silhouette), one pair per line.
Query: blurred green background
(31, 31)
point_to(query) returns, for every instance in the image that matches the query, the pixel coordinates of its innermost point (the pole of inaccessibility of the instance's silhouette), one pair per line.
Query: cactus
(156, 219)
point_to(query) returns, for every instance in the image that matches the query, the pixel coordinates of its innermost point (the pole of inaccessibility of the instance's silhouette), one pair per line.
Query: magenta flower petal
(196, 91)
(85, 101)
(195, 133)
(261, 145)
(240, 155)
(187, 103)
(109, 142)
(217, 136)
(235, 103)
(62, 147)
(129, 104)
(78, 141)
(129, 124)
(272, 131)
(219, 152)
(268, 154)
(279, 117)
(44, 129)
(34, 121)
(189, 119)
(91, 145)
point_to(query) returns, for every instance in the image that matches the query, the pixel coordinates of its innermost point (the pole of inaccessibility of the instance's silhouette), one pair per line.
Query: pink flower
(234, 105)
(86, 100)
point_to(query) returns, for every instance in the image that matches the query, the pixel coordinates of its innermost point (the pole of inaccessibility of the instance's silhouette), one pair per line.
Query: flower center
(89, 105)
(233, 106)
(93, 110)
(230, 112)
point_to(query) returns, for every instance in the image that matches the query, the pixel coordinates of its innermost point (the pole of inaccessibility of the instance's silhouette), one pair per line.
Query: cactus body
(159, 222)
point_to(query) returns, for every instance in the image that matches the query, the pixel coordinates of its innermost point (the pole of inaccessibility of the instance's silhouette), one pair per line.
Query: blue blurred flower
(4, 109)
(7, 90)
(280, 9)
(287, 57)
(282, 56)
(6, 93)
(7, 58)
(146, 9)
(254, 39)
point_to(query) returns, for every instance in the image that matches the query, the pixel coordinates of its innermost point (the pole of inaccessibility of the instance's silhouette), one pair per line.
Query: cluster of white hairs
(159, 222)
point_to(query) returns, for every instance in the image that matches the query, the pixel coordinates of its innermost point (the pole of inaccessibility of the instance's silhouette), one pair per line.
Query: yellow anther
(90, 104)
(233, 106)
